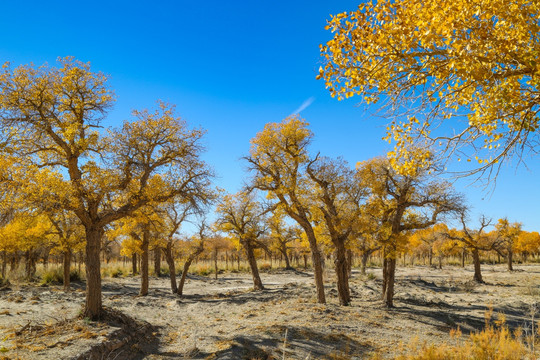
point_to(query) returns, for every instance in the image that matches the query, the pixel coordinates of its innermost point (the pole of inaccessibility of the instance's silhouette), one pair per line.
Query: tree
(403, 203)
(196, 247)
(433, 63)
(528, 243)
(336, 195)
(68, 238)
(55, 114)
(278, 157)
(243, 217)
(174, 215)
(475, 240)
(509, 233)
(281, 235)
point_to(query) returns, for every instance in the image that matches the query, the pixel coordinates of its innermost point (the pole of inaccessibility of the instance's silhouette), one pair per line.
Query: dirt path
(223, 319)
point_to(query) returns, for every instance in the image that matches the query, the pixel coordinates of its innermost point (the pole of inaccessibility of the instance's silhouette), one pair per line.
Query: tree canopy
(469, 64)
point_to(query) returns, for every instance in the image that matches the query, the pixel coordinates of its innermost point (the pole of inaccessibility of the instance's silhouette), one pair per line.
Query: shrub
(56, 276)
(494, 342)
(53, 276)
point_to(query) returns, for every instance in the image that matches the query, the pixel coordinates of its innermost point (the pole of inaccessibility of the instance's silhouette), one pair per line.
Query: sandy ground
(224, 319)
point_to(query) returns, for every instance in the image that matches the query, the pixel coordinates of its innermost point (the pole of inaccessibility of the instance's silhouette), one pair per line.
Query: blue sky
(230, 67)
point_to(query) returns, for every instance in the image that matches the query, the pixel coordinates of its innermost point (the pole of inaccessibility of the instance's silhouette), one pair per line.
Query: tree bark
(93, 307)
(283, 251)
(463, 255)
(134, 263)
(182, 281)
(257, 283)
(67, 269)
(172, 267)
(4, 264)
(215, 263)
(510, 258)
(389, 283)
(349, 262)
(144, 263)
(365, 258)
(342, 274)
(157, 261)
(476, 260)
(30, 264)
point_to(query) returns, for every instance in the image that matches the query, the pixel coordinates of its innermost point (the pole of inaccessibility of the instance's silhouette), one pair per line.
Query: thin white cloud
(304, 105)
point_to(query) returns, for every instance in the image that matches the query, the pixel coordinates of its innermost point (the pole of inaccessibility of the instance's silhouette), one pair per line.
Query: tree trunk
(305, 261)
(93, 306)
(349, 262)
(182, 281)
(365, 257)
(476, 261)
(510, 258)
(389, 283)
(215, 263)
(67, 269)
(172, 267)
(463, 255)
(238, 261)
(134, 263)
(342, 274)
(430, 257)
(440, 262)
(4, 264)
(30, 265)
(157, 261)
(283, 250)
(318, 270)
(257, 283)
(144, 263)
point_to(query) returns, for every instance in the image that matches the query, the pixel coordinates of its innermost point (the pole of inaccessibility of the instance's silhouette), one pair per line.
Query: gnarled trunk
(134, 263)
(157, 261)
(342, 274)
(283, 251)
(67, 269)
(215, 263)
(257, 283)
(30, 264)
(144, 263)
(365, 258)
(476, 261)
(93, 307)
(172, 267)
(510, 258)
(389, 273)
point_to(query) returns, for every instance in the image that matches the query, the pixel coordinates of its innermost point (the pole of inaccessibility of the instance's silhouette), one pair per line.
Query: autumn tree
(475, 240)
(528, 243)
(281, 235)
(278, 158)
(196, 247)
(68, 237)
(56, 114)
(241, 216)
(403, 203)
(471, 63)
(336, 195)
(173, 215)
(509, 233)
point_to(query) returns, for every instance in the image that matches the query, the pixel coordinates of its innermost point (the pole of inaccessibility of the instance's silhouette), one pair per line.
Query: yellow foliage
(474, 63)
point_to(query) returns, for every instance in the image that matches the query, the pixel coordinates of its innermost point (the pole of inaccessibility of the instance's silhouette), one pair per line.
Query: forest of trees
(71, 191)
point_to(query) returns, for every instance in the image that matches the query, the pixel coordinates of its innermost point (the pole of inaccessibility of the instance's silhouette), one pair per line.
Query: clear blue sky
(230, 67)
